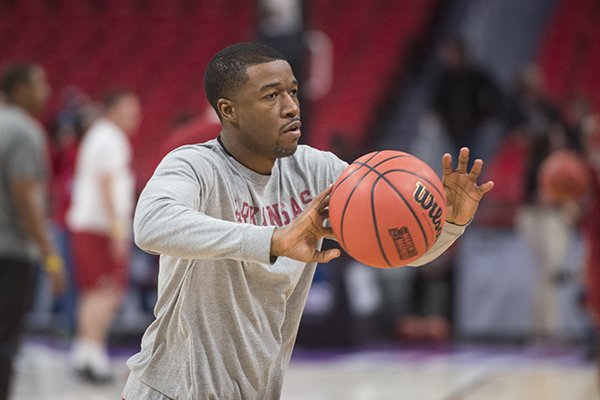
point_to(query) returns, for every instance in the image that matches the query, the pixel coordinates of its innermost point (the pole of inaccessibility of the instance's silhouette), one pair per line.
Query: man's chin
(282, 152)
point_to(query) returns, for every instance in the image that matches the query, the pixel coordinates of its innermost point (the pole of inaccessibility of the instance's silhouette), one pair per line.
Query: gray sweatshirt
(226, 317)
(22, 158)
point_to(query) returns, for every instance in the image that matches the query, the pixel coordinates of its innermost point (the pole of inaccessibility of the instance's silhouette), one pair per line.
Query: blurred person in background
(467, 106)
(282, 25)
(576, 120)
(545, 226)
(24, 235)
(75, 117)
(590, 143)
(529, 106)
(100, 219)
(467, 100)
(204, 127)
(423, 309)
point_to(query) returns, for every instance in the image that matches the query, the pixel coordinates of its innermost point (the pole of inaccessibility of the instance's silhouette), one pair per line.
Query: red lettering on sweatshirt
(305, 197)
(296, 209)
(276, 214)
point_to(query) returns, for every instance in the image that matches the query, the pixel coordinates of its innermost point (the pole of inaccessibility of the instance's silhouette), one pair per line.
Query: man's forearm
(27, 197)
(450, 233)
(119, 225)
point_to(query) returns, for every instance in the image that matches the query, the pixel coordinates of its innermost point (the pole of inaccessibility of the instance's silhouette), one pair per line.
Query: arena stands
(158, 49)
(370, 44)
(569, 54)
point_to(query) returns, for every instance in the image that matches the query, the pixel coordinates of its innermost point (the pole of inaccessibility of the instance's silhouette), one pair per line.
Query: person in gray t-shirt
(24, 239)
(238, 223)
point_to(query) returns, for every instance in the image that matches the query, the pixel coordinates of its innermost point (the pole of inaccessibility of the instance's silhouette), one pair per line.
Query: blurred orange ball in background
(563, 177)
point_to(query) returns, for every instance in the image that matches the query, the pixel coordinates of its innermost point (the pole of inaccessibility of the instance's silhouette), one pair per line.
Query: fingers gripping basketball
(387, 209)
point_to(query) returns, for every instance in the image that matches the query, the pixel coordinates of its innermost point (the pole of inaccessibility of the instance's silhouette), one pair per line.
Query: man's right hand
(300, 238)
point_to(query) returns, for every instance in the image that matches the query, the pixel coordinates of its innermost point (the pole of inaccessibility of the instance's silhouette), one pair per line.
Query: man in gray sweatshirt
(238, 224)
(25, 239)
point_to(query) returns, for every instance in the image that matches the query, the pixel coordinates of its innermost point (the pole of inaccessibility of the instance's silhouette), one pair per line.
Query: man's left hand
(463, 194)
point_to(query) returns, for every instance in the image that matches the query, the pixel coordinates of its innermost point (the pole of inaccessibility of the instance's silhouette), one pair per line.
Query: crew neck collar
(261, 179)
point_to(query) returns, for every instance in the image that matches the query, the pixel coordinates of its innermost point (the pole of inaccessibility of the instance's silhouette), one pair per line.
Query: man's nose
(290, 107)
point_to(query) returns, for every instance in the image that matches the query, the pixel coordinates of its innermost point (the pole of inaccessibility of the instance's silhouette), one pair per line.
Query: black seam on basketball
(382, 176)
(370, 169)
(342, 241)
(356, 170)
(373, 214)
(363, 163)
(433, 185)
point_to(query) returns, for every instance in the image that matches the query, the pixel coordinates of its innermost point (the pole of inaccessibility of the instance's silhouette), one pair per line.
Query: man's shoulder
(104, 130)
(207, 152)
(12, 113)
(307, 154)
(305, 151)
(14, 120)
(18, 128)
(206, 148)
(104, 140)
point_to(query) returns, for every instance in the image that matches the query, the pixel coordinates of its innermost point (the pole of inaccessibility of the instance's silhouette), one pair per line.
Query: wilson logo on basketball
(404, 242)
(427, 201)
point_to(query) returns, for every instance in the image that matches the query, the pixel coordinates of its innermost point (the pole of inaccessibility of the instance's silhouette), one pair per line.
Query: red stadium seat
(569, 52)
(159, 49)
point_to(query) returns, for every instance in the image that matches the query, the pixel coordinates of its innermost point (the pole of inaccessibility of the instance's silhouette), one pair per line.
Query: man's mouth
(293, 128)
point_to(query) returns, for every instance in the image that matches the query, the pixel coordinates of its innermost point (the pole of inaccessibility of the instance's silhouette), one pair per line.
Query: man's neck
(20, 106)
(246, 157)
(116, 123)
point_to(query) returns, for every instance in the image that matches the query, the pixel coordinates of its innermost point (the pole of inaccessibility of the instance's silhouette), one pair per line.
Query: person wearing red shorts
(100, 219)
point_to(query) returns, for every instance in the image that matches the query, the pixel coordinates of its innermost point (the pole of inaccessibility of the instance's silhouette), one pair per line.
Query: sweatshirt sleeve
(449, 234)
(167, 220)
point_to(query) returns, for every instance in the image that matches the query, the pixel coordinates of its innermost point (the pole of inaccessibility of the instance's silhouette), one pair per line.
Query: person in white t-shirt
(100, 219)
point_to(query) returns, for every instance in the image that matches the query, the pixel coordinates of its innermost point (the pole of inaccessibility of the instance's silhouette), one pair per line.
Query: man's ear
(227, 110)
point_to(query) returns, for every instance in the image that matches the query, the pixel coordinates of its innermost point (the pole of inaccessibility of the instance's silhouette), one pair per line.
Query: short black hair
(16, 74)
(226, 72)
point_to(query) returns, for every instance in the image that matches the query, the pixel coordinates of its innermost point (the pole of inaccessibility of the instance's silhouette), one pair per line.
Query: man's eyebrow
(275, 84)
(270, 85)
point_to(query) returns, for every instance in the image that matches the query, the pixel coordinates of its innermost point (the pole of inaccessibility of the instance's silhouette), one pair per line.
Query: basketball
(387, 209)
(563, 177)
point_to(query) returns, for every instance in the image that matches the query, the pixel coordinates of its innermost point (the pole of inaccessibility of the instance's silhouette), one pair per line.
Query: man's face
(37, 91)
(267, 110)
(129, 112)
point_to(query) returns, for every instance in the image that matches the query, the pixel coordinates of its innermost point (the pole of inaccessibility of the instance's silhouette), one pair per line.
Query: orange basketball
(387, 208)
(563, 176)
